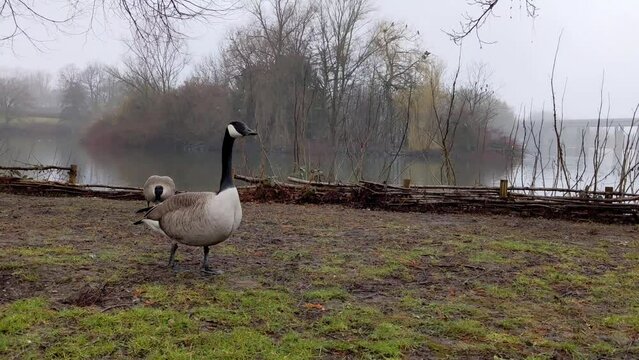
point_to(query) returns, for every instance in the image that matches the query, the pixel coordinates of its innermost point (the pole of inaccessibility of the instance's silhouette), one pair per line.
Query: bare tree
(17, 19)
(45, 100)
(629, 155)
(210, 70)
(561, 170)
(154, 66)
(289, 37)
(343, 47)
(74, 102)
(398, 58)
(68, 74)
(473, 23)
(146, 17)
(14, 97)
(270, 64)
(92, 78)
(447, 124)
(288, 30)
(599, 144)
(102, 88)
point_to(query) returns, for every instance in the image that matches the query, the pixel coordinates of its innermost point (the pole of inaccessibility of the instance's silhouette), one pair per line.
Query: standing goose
(202, 218)
(157, 189)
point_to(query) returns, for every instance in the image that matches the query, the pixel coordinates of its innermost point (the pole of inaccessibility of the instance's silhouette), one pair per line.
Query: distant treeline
(301, 72)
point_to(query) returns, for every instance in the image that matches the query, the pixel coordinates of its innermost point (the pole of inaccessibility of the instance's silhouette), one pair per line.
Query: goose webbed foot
(205, 264)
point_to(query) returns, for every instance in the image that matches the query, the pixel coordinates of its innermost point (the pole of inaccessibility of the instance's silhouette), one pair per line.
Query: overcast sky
(598, 36)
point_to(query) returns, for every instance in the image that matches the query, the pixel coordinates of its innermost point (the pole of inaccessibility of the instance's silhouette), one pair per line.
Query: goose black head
(238, 129)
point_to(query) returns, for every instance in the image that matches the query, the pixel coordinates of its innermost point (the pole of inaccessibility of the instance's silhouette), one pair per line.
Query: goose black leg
(172, 257)
(205, 264)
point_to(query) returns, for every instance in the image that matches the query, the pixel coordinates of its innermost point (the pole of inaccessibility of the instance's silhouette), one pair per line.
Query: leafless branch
(473, 23)
(558, 126)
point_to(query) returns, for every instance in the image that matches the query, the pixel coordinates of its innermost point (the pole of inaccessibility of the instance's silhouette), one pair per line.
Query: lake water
(197, 171)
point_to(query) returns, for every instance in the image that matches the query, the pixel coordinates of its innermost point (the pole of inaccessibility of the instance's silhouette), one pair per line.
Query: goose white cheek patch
(233, 132)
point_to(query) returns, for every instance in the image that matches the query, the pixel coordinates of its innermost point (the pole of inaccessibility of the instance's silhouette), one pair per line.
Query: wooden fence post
(406, 183)
(608, 192)
(73, 174)
(503, 188)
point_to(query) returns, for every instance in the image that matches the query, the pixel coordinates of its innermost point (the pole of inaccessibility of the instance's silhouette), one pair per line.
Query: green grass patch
(603, 349)
(392, 270)
(411, 302)
(326, 294)
(553, 275)
(500, 292)
(10, 265)
(457, 309)
(619, 321)
(464, 328)
(236, 325)
(499, 338)
(56, 255)
(532, 287)
(378, 334)
(488, 257)
(170, 295)
(269, 310)
(517, 322)
(531, 247)
(396, 264)
(17, 317)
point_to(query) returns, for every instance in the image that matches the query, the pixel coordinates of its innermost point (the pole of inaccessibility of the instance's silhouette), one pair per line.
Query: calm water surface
(197, 171)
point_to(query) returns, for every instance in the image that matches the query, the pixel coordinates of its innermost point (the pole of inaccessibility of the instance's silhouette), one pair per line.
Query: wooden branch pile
(72, 170)
(614, 208)
(15, 185)
(52, 188)
(624, 208)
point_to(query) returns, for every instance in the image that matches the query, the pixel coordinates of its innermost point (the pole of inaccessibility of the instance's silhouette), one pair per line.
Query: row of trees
(80, 95)
(18, 94)
(306, 73)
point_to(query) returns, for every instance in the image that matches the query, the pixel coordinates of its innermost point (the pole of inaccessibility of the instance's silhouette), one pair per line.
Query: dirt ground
(79, 280)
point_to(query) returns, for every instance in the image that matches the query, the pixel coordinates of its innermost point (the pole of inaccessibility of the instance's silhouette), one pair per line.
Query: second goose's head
(238, 129)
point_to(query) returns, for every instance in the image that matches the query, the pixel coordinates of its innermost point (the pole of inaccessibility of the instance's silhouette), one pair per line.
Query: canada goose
(157, 189)
(202, 218)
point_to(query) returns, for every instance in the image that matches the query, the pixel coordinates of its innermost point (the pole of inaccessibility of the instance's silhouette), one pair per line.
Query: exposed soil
(86, 252)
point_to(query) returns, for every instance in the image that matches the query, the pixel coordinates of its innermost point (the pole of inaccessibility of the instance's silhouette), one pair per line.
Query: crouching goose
(202, 218)
(157, 189)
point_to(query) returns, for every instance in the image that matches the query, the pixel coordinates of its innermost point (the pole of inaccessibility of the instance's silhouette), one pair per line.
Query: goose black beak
(251, 132)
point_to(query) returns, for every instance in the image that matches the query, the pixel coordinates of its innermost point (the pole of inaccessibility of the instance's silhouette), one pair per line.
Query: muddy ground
(79, 280)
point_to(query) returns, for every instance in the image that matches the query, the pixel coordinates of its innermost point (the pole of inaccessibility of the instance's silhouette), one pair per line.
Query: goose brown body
(198, 218)
(202, 218)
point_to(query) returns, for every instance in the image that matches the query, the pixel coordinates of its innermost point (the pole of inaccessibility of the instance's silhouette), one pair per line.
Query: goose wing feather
(182, 201)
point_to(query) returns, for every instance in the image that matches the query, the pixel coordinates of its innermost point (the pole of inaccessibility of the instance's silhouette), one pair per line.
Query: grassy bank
(79, 281)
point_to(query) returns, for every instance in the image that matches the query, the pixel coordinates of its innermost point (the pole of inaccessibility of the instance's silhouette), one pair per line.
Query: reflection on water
(201, 170)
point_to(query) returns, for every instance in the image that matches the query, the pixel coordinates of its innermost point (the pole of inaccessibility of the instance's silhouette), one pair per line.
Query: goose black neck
(227, 159)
